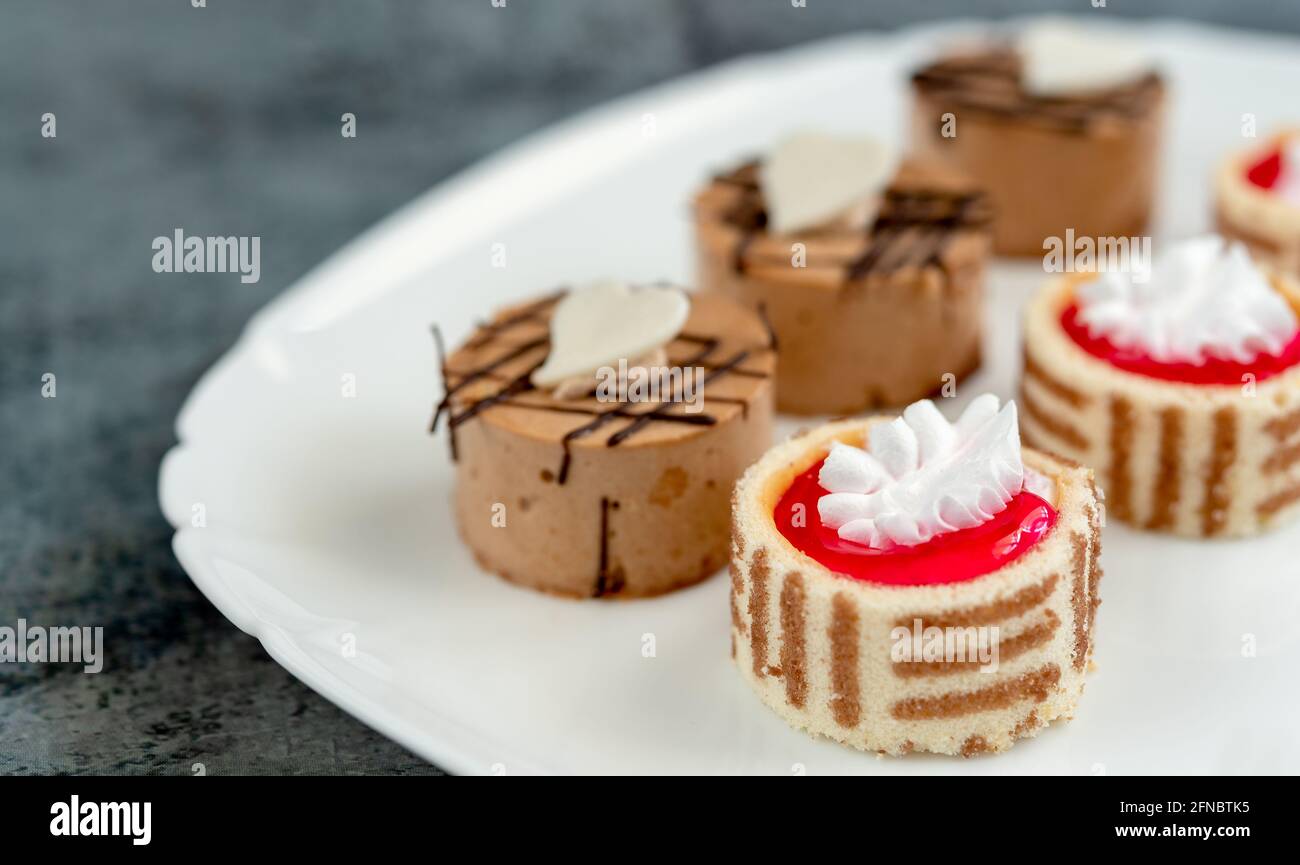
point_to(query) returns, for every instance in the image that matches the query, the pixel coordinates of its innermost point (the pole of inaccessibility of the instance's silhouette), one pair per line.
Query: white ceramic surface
(328, 533)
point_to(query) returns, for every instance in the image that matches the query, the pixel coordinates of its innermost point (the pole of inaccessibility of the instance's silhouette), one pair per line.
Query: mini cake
(860, 544)
(1062, 128)
(597, 434)
(1258, 194)
(870, 272)
(1180, 386)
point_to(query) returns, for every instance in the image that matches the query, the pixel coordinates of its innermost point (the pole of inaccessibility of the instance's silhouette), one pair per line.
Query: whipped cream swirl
(921, 476)
(1204, 298)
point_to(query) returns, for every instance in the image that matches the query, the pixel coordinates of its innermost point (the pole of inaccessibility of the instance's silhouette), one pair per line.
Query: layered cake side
(1060, 143)
(578, 492)
(818, 636)
(876, 305)
(1192, 443)
(1257, 200)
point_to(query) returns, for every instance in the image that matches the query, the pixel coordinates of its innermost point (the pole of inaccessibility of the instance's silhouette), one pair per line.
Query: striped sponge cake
(1266, 222)
(1191, 459)
(819, 647)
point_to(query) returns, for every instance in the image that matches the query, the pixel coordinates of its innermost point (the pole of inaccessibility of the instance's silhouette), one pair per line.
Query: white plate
(328, 532)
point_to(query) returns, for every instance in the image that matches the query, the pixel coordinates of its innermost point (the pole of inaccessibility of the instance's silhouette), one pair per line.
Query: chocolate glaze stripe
(989, 614)
(440, 351)
(1056, 427)
(1122, 432)
(931, 231)
(793, 652)
(1283, 458)
(1031, 637)
(1218, 494)
(1053, 385)
(477, 374)
(737, 589)
(934, 207)
(696, 359)
(664, 411)
(522, 384)
(881, 239)
(1275, 503)
(1284, 427)
(991, 83)
(845, 699)
(690, 419)
(608, 582)
(1094, 561)
(742, 248)
(708, 344)
(927, 252)
(946, 210)
(1079, 597)
(744, 176)
(758, 613)
(1168, 488)
(487, 331)
(1034, 685)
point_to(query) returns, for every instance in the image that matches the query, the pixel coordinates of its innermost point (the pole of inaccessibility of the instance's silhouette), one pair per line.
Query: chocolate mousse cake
(1181, 388)
(908, 584)
(1061, 126)
(1258, 200)
(597, 433)
(870, 271)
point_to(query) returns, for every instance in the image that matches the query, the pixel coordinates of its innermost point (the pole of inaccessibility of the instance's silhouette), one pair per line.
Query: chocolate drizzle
(609, 581)
(989, 82)
(510, 387)
(912, 227)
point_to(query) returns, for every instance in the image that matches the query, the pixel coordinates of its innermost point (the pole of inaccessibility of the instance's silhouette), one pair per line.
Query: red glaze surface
(1266, 171)
(952, 558)
(1214, 371)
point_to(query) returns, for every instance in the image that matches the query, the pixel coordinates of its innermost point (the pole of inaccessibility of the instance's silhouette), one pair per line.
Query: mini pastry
(1181, 387)
(1258, 194)
(914, 585)
(870, 272)
(1062, 128)
(597, 434)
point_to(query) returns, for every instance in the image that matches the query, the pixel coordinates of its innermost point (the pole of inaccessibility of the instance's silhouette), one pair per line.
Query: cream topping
(812, 180)
(597, 325)
(921, 476)
(1204, 298)
(1060, 56)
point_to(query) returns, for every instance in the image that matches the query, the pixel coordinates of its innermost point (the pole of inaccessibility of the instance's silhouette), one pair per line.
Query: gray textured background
(224, 120)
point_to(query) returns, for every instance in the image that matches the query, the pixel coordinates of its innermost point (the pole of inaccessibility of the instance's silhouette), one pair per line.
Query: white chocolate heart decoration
(812, 178)
(597, 324)
(1059, 56)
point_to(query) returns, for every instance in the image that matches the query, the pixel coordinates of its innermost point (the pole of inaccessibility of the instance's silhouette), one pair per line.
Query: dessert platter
(768, 444)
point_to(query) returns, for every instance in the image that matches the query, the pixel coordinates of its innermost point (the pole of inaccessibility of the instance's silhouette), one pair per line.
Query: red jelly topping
(1213, 371)
(951, 558)
(1266, 171)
